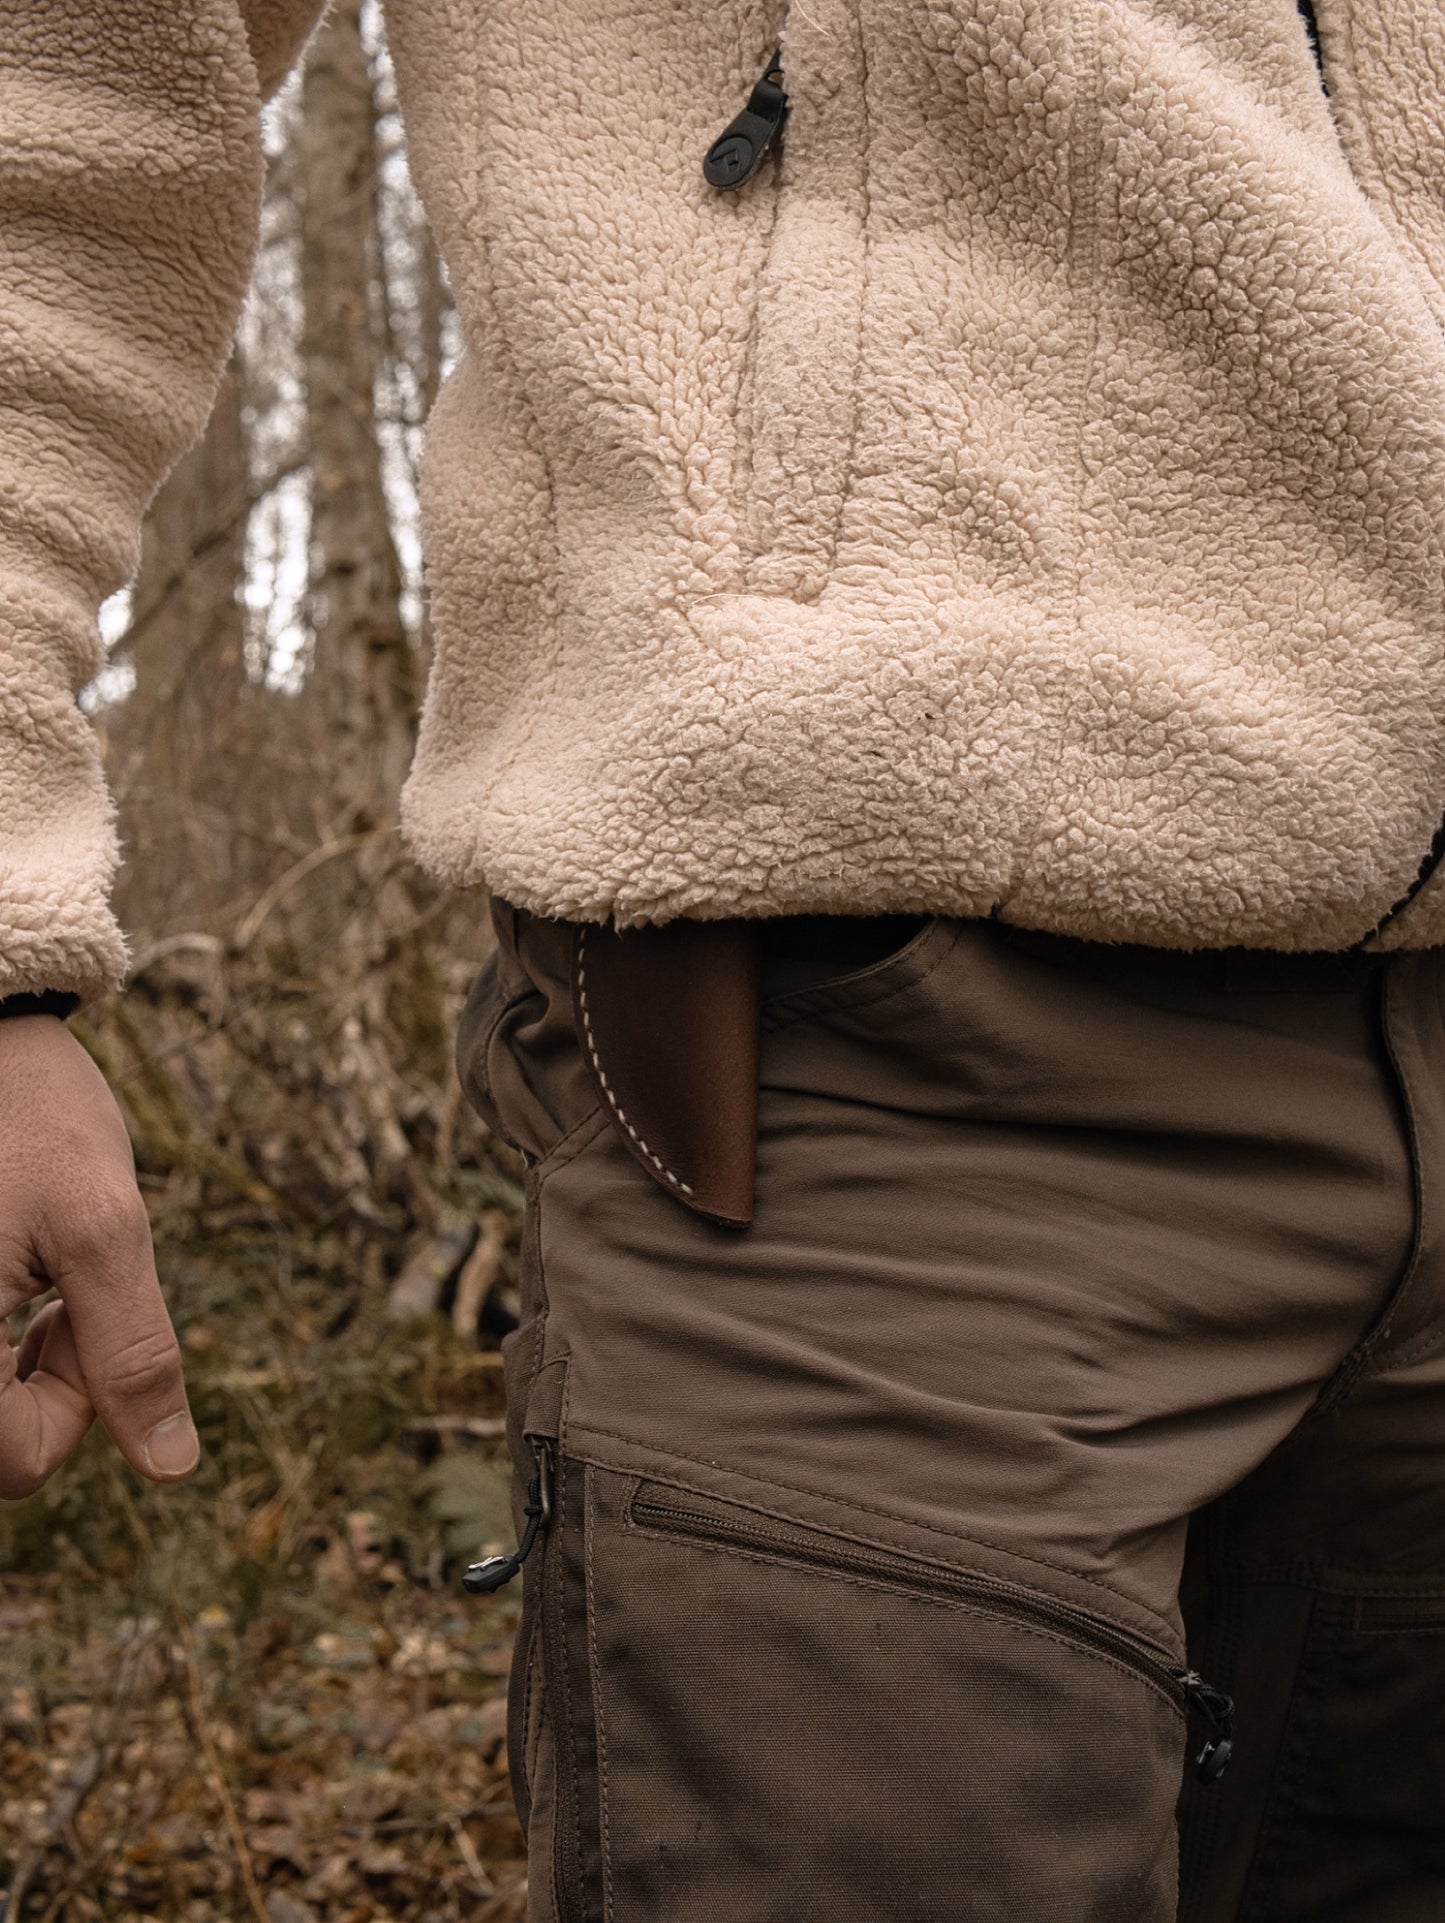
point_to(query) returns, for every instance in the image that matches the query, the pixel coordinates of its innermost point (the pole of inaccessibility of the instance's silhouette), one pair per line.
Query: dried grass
(262, 1695)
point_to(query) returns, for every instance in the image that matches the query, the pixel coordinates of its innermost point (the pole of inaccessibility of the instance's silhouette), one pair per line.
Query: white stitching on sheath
(612, 1101)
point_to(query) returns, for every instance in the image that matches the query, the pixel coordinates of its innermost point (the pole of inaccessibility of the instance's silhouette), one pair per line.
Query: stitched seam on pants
(568, 1789)
(818, 997)
(1425, 1340)
(1300, 1574)
(482, 1054)
(531, 1737)
(588, 1129)
(601, 1074)
(1291, 1767)
(1340, 1385)
(531, 1728)
(882, 1585)
(1428, 1338)
(1219, 1655)
(862, 975)
(532, 1232)
(870, 1509)
(532, 1246)
(588, 1533)
(1422, 1344)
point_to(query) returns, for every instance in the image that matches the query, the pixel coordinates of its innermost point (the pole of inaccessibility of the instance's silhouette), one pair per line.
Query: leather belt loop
(668, 1022)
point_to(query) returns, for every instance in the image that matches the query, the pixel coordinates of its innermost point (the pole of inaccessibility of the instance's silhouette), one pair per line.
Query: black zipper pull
(481, 1578)
(1213, 1760)
(737, 153)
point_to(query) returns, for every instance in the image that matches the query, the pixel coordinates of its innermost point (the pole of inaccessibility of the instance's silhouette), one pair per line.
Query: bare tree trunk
(186, 644)
(363, 691)
(284, 1051)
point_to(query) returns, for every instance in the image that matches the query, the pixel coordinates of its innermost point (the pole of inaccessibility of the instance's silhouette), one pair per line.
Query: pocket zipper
(700, 1518)
(494, 1572)
(737, 153)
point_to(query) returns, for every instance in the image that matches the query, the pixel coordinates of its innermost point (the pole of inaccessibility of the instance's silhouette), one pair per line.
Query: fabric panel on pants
(751, 1719)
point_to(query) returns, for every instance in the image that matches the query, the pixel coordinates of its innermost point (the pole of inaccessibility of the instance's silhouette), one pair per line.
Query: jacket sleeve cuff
(46, 1001)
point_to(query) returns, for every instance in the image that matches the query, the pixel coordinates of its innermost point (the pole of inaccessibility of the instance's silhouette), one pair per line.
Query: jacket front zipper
(1435, 854)
(699, 1518)
(1312, 29)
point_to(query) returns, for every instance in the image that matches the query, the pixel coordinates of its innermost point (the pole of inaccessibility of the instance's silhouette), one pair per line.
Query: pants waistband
(1228, 971)
(669, 1018)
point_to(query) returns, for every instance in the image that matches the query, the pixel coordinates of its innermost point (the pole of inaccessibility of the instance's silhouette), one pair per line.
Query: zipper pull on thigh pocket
(1212, 1761)
(494, 1572)
(737, 153)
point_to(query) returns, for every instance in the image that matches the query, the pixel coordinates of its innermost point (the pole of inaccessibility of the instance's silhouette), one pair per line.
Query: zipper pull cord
(1213, 1760)
(737, 153)
(493, 1572)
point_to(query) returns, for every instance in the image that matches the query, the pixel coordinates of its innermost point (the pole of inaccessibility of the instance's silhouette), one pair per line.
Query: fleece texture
(1024, 497)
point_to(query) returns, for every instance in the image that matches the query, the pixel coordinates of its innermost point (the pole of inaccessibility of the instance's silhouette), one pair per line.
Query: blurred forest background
(263, 1696)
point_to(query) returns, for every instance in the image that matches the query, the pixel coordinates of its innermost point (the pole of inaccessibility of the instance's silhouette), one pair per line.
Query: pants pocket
(801, 952)
(753, 1718)
(535, 1398)
(1355, 1828)
(517, 1053)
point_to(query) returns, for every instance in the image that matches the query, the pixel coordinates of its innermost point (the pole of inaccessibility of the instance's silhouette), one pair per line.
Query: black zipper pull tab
(737, 153)
(1213, 1760)
(481, 1578)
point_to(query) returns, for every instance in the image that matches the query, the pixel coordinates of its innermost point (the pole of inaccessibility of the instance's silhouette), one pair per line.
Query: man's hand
(71, 1216)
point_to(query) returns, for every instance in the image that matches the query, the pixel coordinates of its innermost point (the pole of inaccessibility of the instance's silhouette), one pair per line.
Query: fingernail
(173, 1447)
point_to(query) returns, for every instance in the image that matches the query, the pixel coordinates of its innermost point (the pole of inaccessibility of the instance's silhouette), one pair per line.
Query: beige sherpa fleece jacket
(1023, 494)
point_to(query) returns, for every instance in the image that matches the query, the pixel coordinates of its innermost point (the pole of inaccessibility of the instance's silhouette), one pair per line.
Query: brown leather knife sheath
(667, 1018)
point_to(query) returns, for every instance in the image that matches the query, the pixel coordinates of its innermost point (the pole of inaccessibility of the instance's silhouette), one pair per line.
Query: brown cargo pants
(1077, 1364)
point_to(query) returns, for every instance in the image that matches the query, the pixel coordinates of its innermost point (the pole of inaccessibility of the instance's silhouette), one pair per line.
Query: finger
(104, 1267)
(44, 1411)
(28, 1354)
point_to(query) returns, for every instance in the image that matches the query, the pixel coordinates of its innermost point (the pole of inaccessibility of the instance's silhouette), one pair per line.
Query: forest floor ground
(264, 1695)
